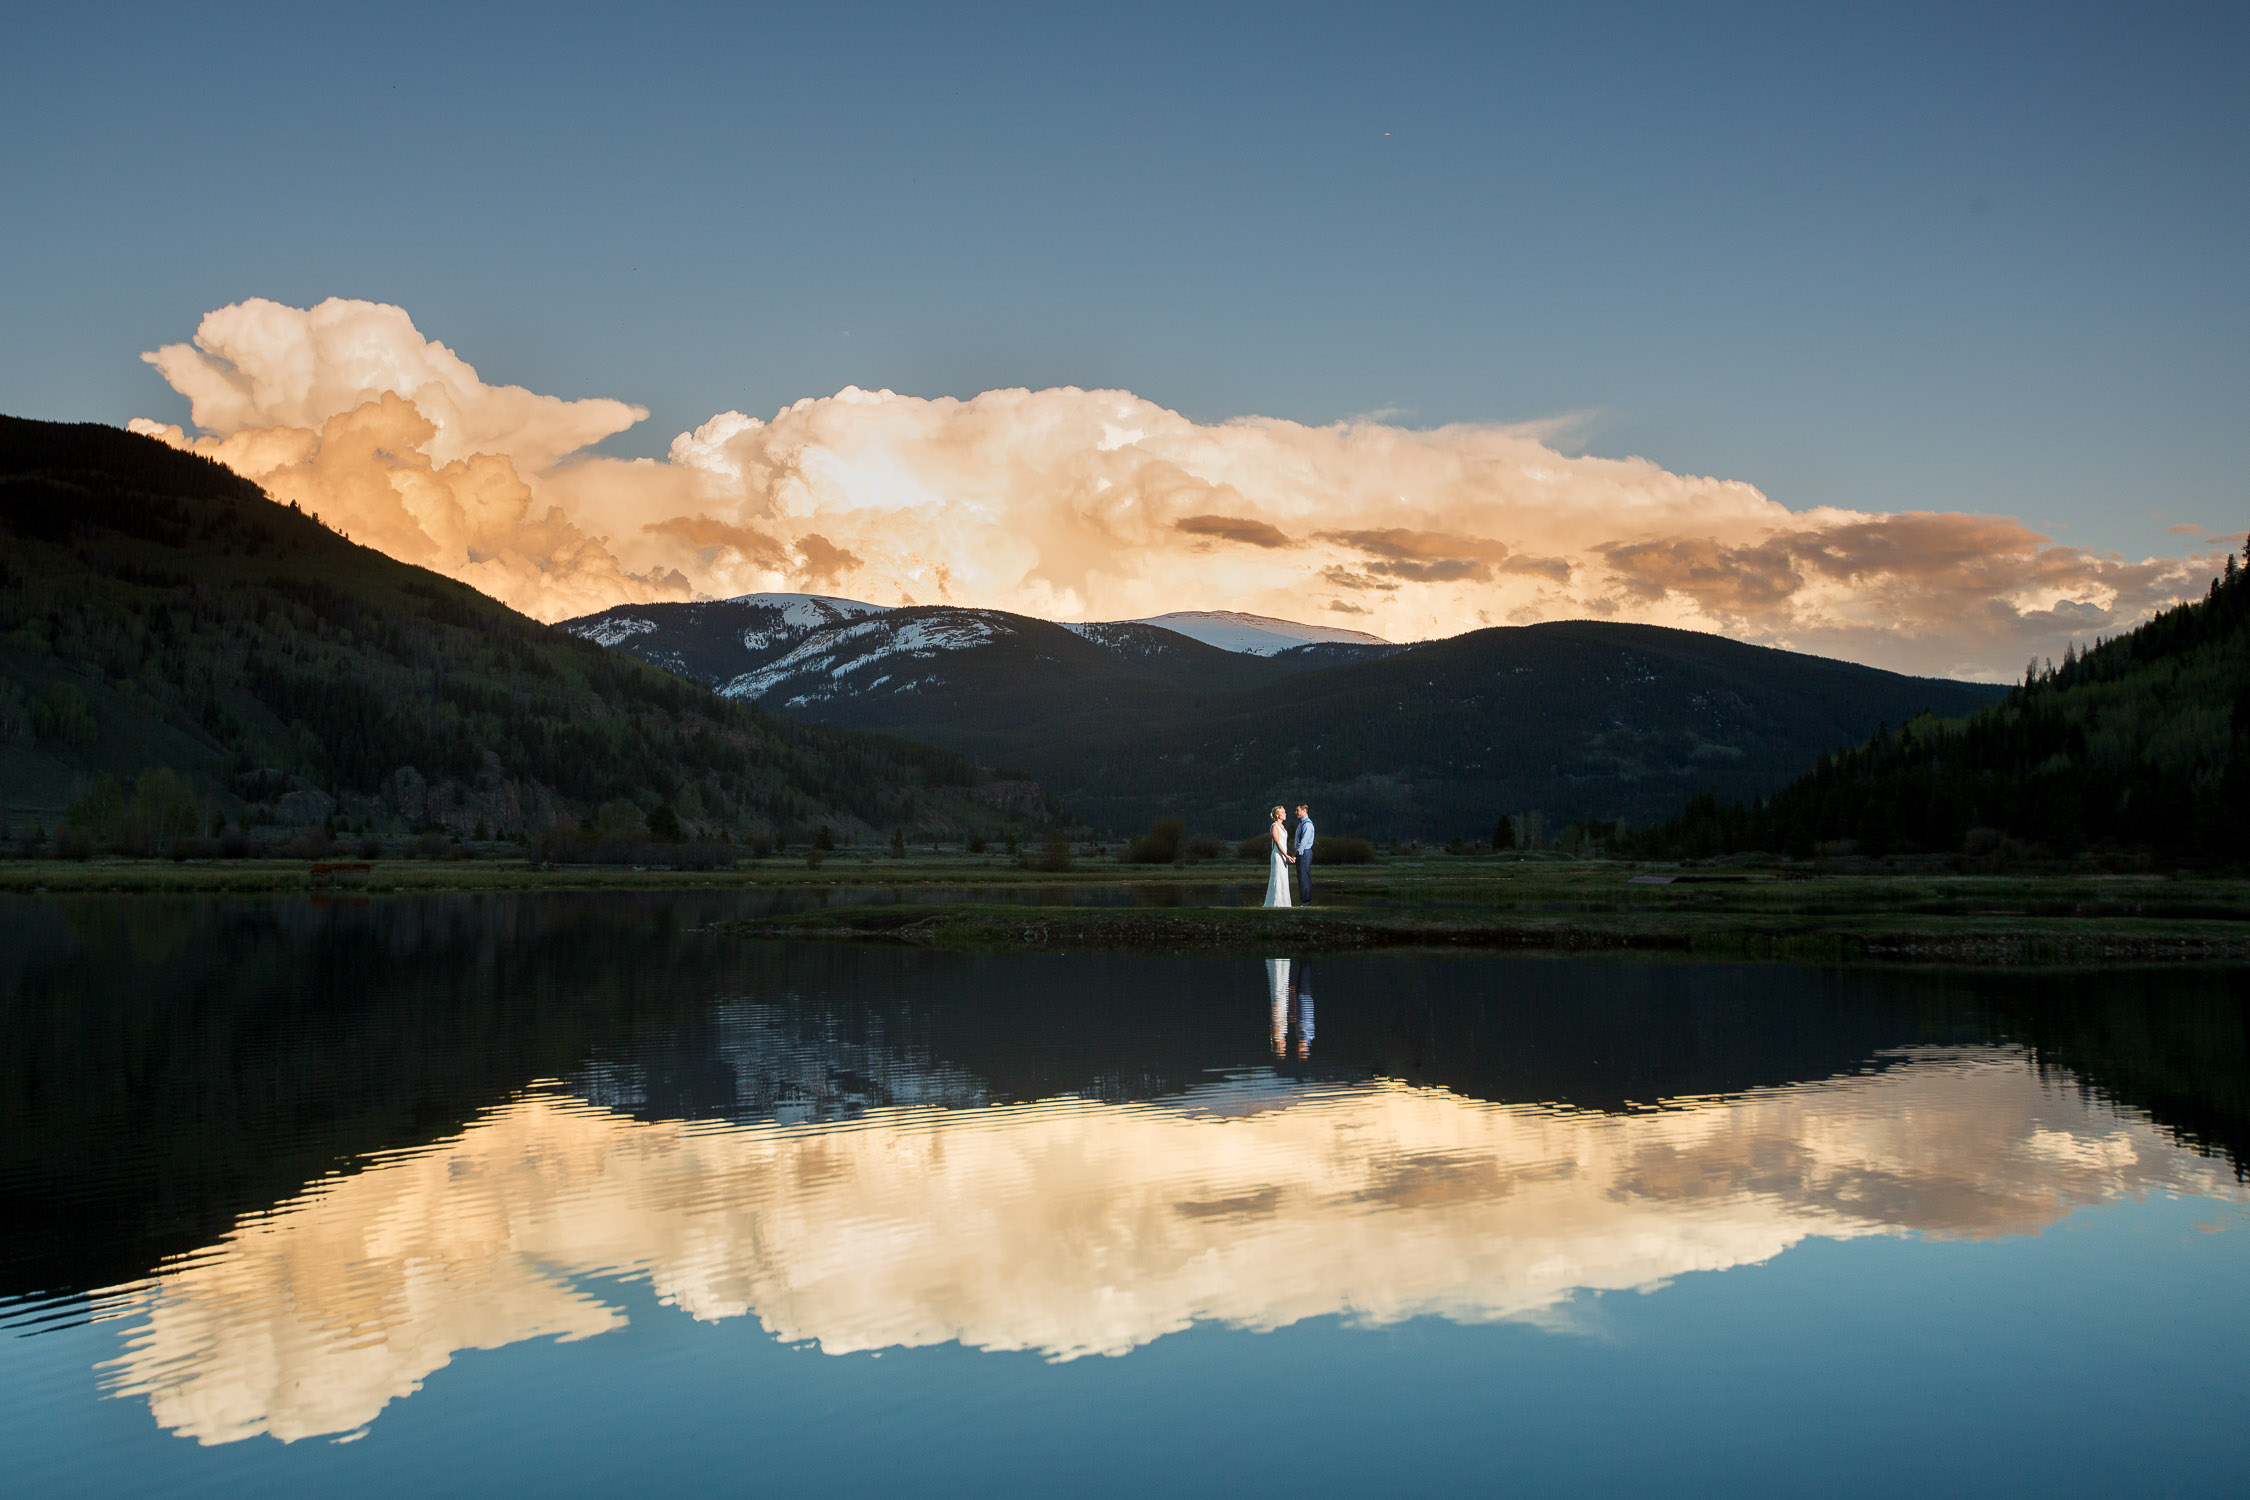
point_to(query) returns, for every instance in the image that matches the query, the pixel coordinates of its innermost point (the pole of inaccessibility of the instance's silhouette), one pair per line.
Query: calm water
(563, 1195)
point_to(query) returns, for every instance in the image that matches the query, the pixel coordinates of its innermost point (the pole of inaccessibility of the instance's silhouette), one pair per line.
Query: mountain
(159, 611)
(2142, 745)
(1259, 635)
(1128, 721)
(718, 640)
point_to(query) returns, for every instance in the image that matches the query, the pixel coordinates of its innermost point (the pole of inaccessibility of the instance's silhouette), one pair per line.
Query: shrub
(1160, 845)
(429, 846)
(976, 843)
(371, 847)
(1055, 857)
(1254, 847)
(664, 824)
(620, 819)
(163, 806)
(100, 810)
(1200, 848)
(73, 842)
(1343, 849)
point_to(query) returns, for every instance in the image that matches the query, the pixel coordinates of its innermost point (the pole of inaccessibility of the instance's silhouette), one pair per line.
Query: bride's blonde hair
(1279, 812)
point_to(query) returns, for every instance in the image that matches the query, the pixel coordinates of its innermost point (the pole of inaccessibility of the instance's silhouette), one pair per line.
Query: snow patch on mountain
(794, 614)
(1253, 635)
(834, 652)
(1125, 636)
(609, 632)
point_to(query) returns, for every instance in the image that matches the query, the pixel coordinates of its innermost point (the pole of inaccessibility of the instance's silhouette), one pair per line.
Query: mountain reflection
(1077, 1226)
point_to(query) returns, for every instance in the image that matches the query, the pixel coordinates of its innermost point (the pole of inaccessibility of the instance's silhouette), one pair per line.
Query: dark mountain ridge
(157, 610)
(1125, 722)
(2142, 744)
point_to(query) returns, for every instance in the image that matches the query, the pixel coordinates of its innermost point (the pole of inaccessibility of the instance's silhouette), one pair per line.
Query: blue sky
(1954, 258)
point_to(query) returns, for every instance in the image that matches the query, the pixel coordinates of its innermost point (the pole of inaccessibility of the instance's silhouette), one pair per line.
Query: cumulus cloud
(1080, 505)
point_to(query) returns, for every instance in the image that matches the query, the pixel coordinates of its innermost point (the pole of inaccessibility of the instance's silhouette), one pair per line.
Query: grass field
(1844, 911)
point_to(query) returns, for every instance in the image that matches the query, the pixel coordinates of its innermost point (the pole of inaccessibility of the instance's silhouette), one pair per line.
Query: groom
(1302, 859)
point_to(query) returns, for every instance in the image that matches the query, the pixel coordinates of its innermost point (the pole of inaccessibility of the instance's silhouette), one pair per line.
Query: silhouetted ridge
(1127, 722)
(2143, 743)
(157, 610)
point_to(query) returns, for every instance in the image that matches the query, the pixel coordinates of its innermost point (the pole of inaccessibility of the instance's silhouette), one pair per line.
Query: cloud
(367, 471)
(1345, 578)
(824, 561)
(1234, 529)
(1085, 504)
(2186, 528)
(712, 538)
(258, 364)
(1401, 545)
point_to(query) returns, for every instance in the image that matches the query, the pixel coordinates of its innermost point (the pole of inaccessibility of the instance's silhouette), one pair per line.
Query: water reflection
(1289, 995)
(1072, 1227)
(300, 1157)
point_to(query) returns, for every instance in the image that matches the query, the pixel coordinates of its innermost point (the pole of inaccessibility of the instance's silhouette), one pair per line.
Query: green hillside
(159, 611)
(2142, 745)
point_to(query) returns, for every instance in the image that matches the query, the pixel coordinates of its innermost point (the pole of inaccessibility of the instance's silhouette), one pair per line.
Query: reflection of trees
(2175, 1045)
(168, 1066)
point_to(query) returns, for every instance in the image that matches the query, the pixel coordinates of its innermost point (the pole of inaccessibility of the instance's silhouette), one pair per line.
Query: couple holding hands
(1290, 848)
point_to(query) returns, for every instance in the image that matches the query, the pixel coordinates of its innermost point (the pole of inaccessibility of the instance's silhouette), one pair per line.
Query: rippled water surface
(567, 1194)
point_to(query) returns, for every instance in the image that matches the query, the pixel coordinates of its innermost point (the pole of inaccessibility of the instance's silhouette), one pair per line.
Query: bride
(1277, 867)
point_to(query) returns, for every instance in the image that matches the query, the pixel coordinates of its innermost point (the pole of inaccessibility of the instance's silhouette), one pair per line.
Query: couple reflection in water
(1289, 989)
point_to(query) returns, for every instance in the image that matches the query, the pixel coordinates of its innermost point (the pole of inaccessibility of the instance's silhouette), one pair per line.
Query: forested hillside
(159, 612)
(1129, 722)
(2142, 744)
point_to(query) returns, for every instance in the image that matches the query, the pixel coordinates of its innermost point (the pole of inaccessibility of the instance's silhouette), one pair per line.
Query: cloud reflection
(1072, 1228)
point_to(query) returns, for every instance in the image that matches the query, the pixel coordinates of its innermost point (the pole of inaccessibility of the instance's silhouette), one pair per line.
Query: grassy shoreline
(1864, 939)
(1841, 914)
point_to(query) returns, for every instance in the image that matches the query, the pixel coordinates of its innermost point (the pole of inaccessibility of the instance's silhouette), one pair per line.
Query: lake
(567, 1194)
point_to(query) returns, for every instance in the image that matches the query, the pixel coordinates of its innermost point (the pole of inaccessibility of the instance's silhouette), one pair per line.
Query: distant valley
(1129, 720)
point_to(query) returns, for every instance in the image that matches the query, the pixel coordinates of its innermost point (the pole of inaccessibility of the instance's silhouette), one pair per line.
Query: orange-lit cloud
(1079, 505)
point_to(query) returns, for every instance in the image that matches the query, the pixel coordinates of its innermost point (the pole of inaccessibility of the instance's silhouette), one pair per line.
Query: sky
(1420, 317)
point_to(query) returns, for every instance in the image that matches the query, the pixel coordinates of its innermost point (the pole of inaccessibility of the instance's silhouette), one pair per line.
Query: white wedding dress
(1277, 879)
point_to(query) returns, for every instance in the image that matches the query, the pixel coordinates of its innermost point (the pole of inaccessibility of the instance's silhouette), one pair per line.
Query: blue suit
(1302, 846)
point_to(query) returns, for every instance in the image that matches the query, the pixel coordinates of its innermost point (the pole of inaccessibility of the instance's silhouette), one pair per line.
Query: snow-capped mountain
(1255, 635)
(831, 660)
(809, 654)
(718, 640)
(1127, 719)
(796, 650)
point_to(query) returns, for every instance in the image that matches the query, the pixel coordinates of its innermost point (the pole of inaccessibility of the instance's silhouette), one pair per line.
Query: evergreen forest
(2139, 747)
(166, 625)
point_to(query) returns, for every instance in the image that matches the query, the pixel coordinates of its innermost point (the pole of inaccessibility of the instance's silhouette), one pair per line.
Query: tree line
(2141, 742)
